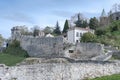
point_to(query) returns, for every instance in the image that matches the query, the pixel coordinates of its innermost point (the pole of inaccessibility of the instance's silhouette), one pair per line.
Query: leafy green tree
(48, 30)
(57, 29)
(93, 23)
(15, 43)
(100, 32)
(115, 26)
(66, 27)
(88, 37)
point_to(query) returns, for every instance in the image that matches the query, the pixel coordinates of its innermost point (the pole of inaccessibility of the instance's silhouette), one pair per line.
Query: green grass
(13, 54)
(10, 60)
(112, 77)
(116, 33)
(16, 51)
(115, 58)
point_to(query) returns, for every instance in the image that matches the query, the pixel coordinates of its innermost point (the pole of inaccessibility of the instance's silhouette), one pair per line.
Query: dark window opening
(77, 34)
(71, 51)
(77, 41)
(80, 34)
(117, 18)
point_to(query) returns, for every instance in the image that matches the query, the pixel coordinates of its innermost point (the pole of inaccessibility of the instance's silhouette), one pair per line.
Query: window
(80, 34)
(76, 41)
(77, 34)
(71, 51)
(117, 18)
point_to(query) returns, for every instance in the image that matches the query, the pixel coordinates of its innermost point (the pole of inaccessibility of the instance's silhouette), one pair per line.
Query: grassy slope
(10, 60)
(112, 77)
(13, 54)
(109, 35)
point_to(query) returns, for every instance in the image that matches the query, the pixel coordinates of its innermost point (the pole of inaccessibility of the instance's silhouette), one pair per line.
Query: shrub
(100, 32)
(15, 43)
(115, 26)
(88, 37)
(15, 49)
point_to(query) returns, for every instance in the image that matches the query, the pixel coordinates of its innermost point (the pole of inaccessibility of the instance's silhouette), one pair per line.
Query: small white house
(74, 34)
(49, 35)
(41, 33)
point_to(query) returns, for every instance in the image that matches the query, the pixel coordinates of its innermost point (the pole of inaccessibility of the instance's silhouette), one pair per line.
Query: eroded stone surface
(59, 71)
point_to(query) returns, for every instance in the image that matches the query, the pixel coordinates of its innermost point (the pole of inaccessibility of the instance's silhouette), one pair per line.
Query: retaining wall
(59, 71)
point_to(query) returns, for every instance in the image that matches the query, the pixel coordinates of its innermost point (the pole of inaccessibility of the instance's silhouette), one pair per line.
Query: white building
(49, 35)
(41, 33)
(74, 34)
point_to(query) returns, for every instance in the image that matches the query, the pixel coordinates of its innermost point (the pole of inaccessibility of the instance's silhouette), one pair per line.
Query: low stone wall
(116, 54)
(90, 48)
(85, 51)
(59, 71)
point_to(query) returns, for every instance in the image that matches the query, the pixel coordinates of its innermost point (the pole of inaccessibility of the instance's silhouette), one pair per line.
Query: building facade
(18, 31)
(107, 19)
(115, 16)
(75, 33)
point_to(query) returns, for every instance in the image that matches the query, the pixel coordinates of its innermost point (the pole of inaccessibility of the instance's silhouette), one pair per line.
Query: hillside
(13, 54)
(109, 35)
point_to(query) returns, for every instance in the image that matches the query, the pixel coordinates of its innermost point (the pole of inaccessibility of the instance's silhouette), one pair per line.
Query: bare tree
(119, 7)
(115, 7)
(23, 29)
(75, 17)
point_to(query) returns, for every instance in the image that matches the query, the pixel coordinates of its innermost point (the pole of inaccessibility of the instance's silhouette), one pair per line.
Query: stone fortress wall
(42, 46)
(54, 47)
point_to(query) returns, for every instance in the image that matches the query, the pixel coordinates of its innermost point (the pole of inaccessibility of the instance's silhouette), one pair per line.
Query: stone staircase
(103, 57)
(66, 52)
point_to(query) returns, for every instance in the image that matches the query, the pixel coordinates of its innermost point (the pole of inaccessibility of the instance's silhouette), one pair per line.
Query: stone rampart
(43, 46)
(55, 47)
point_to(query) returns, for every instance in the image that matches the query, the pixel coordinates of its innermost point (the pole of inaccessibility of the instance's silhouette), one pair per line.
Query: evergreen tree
(85, 24)
(57, 29)
(93, 23)
(66, 27)
(79, 22)
(36, 31)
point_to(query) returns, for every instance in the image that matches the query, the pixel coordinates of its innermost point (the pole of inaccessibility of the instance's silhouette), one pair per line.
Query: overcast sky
(46, 12)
